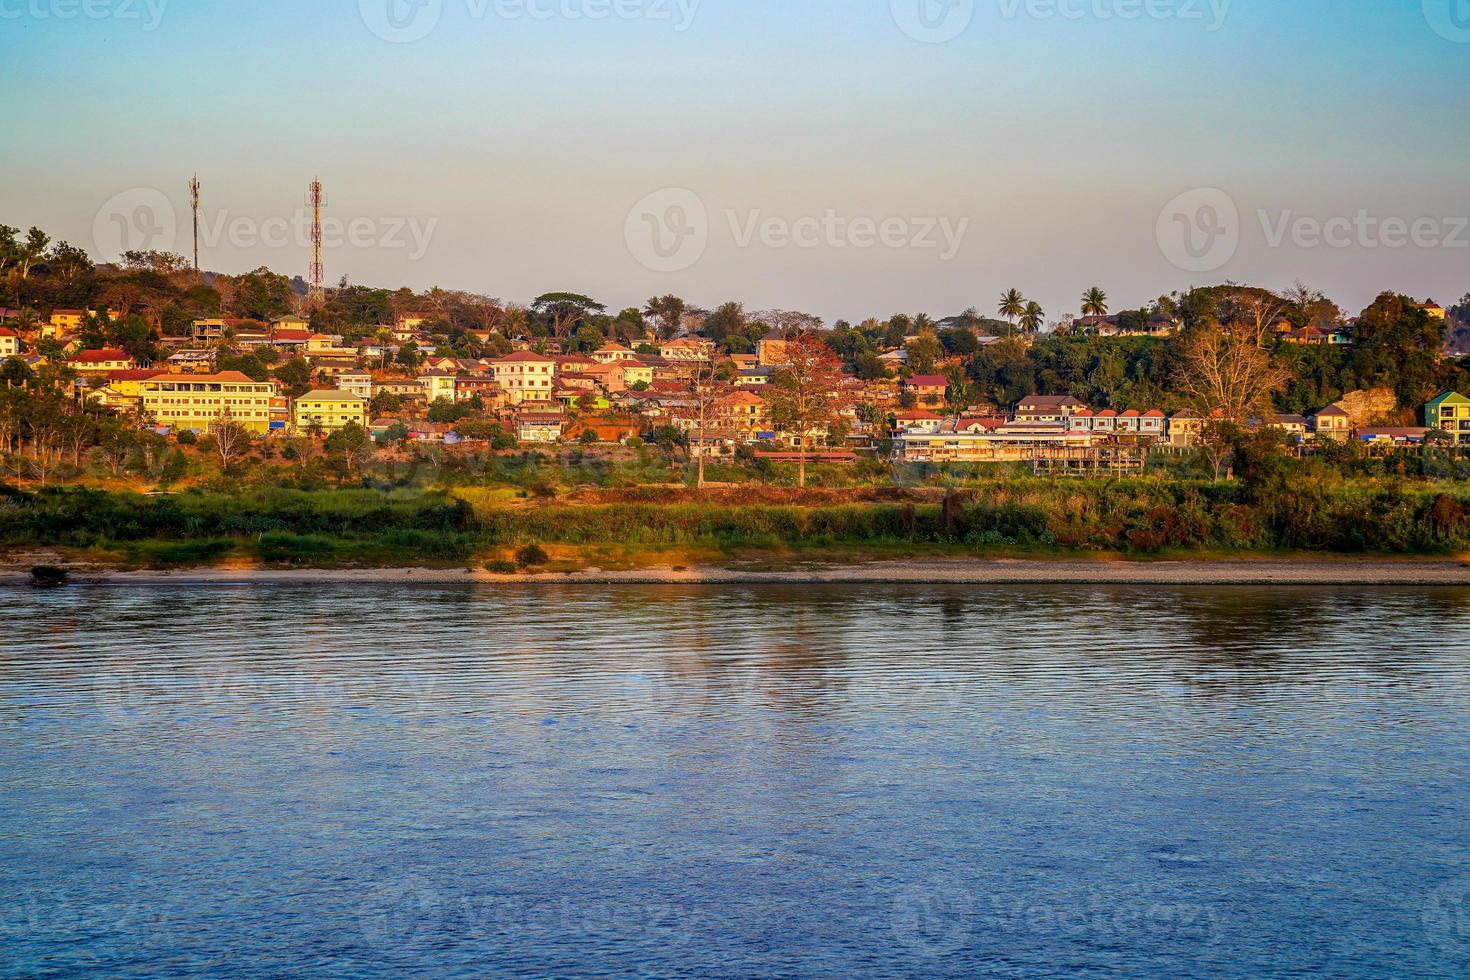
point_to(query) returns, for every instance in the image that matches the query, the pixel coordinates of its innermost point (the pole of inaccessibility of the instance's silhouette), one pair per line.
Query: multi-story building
(538, 427)
(437, 385)
(525, 376)
(1450, 413)
(198, 401)
(1333, 423)
(1048, 408)
(329, 409)
(9, 342)
(359, 383)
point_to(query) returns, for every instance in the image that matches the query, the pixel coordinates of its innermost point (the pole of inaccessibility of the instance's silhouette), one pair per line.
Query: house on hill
(1048, 408)
(1450, 413)
(927, 389)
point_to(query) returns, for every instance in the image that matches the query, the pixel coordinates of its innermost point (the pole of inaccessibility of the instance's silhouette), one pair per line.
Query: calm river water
(333, 781)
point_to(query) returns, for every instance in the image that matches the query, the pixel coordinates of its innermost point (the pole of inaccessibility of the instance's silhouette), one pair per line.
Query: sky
(848, 158)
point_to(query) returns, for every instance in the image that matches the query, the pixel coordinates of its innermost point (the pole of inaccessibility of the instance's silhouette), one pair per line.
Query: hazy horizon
(847, 158)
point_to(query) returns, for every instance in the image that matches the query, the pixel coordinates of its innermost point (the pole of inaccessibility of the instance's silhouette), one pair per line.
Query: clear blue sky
(527, 140)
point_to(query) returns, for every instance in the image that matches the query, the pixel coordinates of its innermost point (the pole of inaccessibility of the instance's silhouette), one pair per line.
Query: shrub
(501, 567)
(532, 554)
(188, 437)
(48, 576)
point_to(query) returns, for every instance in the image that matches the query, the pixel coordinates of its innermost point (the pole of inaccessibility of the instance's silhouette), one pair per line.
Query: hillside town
(715, 402)
(151, 345)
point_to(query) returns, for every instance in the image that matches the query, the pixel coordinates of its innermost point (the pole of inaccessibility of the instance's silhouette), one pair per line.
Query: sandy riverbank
(1325, 572)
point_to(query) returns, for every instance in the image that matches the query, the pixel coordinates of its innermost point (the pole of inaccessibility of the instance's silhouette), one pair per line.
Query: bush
(532, 554)
(501, 567)
(48, 576)
(188, 437)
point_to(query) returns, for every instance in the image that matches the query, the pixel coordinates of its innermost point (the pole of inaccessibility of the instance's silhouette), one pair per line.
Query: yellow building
(198, 401)
(329, 410)
(67, 321)
(438, 385)
(525, 377)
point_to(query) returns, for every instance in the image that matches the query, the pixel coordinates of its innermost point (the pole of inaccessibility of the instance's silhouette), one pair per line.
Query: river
(340, 780)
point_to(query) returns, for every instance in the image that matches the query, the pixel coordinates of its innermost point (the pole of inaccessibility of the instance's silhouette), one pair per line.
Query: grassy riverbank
(442, 528)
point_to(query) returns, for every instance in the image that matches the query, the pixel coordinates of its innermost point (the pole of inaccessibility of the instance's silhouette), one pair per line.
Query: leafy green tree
(924, 352)
(295, 374)
(262, 295)
(668, 313)
(563, 311)
(1012, 306)
(1095, 302)
(385, 403)
(1033, 318)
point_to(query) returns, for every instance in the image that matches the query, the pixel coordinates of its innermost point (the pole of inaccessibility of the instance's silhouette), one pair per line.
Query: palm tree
(1012, 305)
(1095, 302)
(1032, 317)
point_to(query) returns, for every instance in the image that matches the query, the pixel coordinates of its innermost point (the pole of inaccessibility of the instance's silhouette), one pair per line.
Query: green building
(1450, 412)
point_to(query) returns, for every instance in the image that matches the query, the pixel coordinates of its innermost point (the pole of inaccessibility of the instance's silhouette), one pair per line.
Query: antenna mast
(194, 202)
(317, 293)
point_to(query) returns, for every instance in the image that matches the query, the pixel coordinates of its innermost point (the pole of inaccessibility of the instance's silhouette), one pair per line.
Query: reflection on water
(906, 781)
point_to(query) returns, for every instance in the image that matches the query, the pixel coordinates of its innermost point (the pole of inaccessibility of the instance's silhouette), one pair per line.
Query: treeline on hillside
(344, 526)
(1395, 343)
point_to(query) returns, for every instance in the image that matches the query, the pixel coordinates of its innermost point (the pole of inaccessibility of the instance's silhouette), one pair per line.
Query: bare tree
(1229, 379)
(231, 439)
(790, 321)
(803, 394)
(1254, 308)
(708, 389)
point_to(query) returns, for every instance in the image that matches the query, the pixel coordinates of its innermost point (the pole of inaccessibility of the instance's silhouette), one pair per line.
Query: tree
(707, 391)
(231, 439)
(1095, 302)
(1033, 317)
(31, 251)
(565, 310)
(924, 352)
(1012, 305)
(352, 444)
(295, 374)
(802, 395)
(1228, 379)
(262, 295)
(668, 313)
(728, 320)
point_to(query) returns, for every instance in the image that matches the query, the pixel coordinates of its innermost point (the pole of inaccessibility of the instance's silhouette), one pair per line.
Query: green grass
(361, 527)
